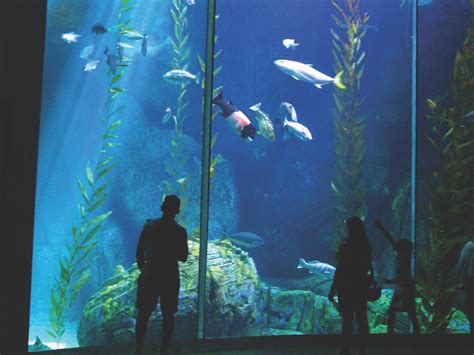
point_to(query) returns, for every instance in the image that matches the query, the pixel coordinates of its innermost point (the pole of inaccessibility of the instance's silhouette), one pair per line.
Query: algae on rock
(109, 315)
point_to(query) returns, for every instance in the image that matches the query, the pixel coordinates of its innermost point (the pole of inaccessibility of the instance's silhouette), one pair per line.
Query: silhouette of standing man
(162, 243)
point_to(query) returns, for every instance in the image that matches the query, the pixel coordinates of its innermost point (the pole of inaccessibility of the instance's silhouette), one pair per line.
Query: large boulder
(232, 293)
(156, 161)
(298, 311)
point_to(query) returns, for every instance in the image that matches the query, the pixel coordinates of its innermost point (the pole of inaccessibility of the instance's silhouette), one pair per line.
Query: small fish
(167, 115)
(183, 180)
(265, 124)
(98, 29)
(315, 267)
(245, 239)
(178, 77)
(91, 65)
(70, 37)
(297, 129)
(111, 61)
(144, 45)
(290, 43)
(305, 72)
(191, 2)
(133, 35)
(87, 51)
(124, 45)
(467, 120)
(287, 112)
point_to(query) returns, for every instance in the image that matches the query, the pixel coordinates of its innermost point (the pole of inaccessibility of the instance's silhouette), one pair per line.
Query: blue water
(280, 191)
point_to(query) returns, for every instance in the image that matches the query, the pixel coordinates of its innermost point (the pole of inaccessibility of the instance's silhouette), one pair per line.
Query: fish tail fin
(198, 77)
(337, 80)
(301, 263)
(218, 98)
(255, 107)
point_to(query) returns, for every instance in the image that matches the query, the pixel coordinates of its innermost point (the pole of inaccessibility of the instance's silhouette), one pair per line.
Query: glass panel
(445, 163)
(119, 130)
(322, 154)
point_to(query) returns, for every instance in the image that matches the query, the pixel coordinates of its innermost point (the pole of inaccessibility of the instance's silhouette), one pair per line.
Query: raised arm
(378, 224)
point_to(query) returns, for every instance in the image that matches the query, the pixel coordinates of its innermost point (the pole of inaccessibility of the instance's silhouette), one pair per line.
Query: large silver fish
(245, 239)
(297, 129)
(316, 267)
(305, 72)
(178, 77)
(265, 124)
(287, 112)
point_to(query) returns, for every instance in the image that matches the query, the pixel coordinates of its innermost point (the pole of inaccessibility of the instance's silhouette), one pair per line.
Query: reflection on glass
(120, 129)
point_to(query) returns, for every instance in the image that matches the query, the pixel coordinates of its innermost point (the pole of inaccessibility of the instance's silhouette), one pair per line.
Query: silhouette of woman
(351, 282)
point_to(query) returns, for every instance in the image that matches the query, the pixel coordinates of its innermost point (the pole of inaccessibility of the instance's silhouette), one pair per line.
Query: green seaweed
(216, 159)
(348, 184)
(93, 188)
(452, 194)
(178, 184)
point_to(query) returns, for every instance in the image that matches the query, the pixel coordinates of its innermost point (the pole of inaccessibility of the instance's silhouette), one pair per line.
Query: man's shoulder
(180, 228)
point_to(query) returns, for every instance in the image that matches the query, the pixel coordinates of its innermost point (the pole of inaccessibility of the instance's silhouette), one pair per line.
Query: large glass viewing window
(315, 118)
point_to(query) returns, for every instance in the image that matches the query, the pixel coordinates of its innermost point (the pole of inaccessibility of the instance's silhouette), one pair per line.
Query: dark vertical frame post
(21, 68)
(205, 172)
(414, 99)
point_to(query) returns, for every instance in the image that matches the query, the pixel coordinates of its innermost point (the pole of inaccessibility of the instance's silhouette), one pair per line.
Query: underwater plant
(348, 182)
(181, 50)
(94, 189)
(452, 193)
(215, 160)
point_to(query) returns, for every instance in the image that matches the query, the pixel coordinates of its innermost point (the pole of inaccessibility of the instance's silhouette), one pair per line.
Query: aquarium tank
(321, 110)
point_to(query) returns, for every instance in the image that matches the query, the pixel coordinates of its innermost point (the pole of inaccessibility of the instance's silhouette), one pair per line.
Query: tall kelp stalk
(94, 189)
(348, 182)
(181, 54)
(215, 159)
(450, 210)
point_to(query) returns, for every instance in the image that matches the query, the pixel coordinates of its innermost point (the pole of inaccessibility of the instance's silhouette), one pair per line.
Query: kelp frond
(348, 184)
(93, 188)
(452, 196)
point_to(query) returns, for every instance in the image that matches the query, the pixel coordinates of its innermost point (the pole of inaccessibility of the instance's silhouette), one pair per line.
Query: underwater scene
(315, 119)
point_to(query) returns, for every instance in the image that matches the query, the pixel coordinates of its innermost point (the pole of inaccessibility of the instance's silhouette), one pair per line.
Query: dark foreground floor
(304, 345)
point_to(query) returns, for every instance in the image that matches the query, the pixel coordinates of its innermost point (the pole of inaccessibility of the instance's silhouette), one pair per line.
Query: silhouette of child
(403, 299)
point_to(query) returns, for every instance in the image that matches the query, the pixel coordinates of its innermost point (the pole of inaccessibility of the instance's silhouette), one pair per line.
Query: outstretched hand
(378, 223)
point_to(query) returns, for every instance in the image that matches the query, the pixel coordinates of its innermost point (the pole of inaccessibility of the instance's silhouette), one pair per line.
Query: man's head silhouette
(170, 205)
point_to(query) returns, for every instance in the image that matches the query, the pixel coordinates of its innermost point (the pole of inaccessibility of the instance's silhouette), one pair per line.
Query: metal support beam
(414, 99)
(205, 163)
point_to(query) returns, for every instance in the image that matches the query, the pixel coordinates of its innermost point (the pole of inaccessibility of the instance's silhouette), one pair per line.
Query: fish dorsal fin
(230, 102)
(309, 65)
(319, 86)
